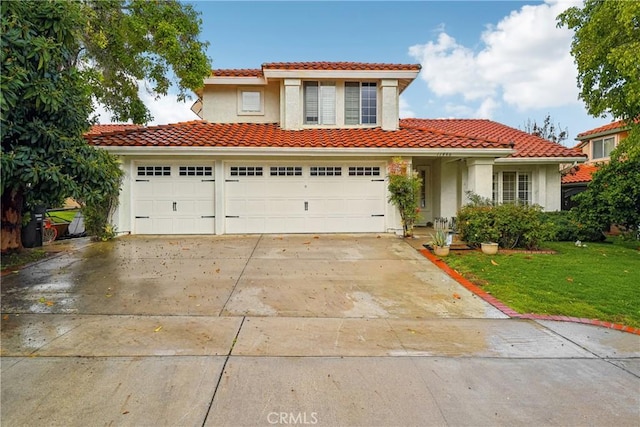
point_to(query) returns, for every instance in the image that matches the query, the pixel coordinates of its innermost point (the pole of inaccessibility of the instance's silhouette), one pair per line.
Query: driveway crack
(224, 366)
(235, 285)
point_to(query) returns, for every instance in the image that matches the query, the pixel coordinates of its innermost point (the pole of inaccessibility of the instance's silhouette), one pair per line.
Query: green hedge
(568, 229)
(510, 225)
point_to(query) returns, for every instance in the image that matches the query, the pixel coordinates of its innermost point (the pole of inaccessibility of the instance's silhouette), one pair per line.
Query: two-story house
(597, 145)
(305, 147)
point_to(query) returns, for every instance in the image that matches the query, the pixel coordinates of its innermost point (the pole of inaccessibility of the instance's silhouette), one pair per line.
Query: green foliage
(404, 193)
(45, 108)
(439, 238)
(127, 41)
(57, 56)
(613, 195)
(605, 48)
(567, 228)
(509, 225)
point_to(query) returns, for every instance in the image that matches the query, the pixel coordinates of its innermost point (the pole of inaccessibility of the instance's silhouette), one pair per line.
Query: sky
(500, 60)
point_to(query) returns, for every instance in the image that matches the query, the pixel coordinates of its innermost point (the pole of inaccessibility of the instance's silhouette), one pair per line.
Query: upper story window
(602, 148)
(250, 102)
(319, 103)
(360, 103)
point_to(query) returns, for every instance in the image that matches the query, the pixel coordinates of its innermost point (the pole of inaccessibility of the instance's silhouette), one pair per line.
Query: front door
(425, 203)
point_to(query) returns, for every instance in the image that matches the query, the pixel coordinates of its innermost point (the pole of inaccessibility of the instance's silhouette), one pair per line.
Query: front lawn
(599, 281)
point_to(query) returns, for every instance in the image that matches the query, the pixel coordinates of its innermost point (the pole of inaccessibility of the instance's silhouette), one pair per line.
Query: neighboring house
(597, 145)
(304, 148)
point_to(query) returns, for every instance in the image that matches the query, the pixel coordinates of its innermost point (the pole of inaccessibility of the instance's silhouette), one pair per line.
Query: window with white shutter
(319, 103)
(250, 102)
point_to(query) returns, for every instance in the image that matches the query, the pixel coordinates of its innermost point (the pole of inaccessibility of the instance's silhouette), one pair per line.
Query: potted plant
(439, 242)
(489, 248)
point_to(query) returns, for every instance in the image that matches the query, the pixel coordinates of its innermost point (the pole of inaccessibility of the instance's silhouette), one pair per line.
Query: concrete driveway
(273, 330)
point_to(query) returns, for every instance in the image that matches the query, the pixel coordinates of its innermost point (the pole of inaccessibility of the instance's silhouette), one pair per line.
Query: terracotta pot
(441, 250)
(489, 248)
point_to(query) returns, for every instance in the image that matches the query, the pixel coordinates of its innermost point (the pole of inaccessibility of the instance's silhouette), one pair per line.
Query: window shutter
(311, 103)
(250, 101)
(352, 103)
(328, 103)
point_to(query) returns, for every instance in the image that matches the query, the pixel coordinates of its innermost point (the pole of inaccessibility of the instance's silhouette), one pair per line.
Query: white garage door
(174, 199)
(305, 198)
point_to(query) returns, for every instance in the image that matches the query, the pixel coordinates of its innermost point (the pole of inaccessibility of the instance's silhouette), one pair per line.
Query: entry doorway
(425, 203)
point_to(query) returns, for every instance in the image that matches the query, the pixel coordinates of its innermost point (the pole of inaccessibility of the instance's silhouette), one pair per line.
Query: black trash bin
(32, 232)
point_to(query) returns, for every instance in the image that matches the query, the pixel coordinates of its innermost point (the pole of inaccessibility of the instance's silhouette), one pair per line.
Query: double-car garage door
(260, 197)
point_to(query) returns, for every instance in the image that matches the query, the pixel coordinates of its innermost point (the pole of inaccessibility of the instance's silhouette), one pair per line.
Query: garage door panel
(285, 224)
(284, 207)
(174, 201)
(335, 200)
(280, 186)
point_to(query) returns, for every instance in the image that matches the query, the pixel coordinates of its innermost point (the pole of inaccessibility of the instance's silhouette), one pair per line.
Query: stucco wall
(220, 104)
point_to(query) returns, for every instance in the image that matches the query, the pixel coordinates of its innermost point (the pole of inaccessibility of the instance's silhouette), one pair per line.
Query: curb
(511, 312)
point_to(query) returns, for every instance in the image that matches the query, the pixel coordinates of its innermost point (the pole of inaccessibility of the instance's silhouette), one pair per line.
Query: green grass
(599, 281)
(62, 216)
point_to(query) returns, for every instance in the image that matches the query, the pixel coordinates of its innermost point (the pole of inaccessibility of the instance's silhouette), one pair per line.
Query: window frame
(323, 98)
(521, 191)
(348, 108)
(241, 104)
(602, 141)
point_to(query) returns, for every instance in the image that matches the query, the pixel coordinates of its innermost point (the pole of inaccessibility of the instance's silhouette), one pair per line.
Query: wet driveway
(297, 329)
(299, 276)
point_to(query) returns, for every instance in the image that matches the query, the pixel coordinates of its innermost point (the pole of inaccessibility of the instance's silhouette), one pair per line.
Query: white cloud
(486, 109)
(524, 62)
(405, 109)
(165, 110)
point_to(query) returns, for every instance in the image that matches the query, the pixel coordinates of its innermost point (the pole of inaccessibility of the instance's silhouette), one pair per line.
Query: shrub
(567, 228)
(510, 225)
(404, 191)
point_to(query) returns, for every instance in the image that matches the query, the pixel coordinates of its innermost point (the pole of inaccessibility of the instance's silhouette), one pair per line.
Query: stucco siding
(220, 104)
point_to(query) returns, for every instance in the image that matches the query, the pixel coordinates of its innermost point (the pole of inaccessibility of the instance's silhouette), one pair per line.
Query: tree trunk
(11, 240)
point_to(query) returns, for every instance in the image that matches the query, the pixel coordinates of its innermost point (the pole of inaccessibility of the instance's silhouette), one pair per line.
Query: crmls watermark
(293, 418)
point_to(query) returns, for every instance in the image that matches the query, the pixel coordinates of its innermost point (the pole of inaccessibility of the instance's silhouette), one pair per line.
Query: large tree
(56, 57)
(605, 49)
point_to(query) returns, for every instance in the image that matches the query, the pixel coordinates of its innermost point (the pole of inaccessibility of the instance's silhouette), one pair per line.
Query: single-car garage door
(305, 198)
(174, 199)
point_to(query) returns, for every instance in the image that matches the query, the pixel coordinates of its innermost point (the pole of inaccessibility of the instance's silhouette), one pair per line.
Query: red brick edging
(511, 312)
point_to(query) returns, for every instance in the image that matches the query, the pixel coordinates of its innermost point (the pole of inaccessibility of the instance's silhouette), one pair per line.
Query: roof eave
(607, 132)
(540, 160)
(229, 80)
(319, 151)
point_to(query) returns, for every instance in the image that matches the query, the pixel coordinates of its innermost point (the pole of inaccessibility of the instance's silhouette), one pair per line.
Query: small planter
(489, 248)
(441, 250)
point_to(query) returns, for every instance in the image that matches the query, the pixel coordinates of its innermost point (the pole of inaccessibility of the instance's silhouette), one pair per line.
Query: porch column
(448, 188)
(480, 177)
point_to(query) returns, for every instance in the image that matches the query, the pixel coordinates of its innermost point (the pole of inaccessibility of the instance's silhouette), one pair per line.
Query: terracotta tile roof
(205, 134)
(580, 173)
(243, 72)
(526, 145)
(340, 66)
(608, 127)
(111, 127)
